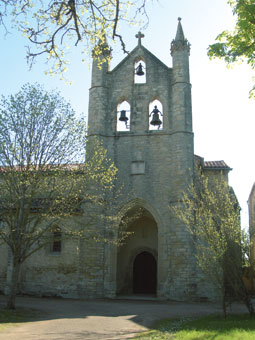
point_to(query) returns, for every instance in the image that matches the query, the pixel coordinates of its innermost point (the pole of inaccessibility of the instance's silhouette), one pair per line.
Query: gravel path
(97, 319)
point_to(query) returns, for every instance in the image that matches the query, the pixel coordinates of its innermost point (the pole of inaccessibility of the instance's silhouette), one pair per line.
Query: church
(142, 112)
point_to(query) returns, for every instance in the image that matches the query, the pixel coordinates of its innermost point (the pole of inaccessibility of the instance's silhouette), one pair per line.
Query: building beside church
(141, 111)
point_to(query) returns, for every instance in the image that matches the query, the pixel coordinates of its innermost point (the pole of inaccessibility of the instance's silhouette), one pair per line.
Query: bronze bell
(139, 70)
(155, 117)
(123, 117)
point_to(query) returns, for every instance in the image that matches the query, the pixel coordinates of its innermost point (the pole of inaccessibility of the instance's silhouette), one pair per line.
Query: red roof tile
(216, 165)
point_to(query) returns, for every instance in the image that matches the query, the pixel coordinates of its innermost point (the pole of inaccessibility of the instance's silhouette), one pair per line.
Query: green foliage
(44, 179)
(38, 129)
(238, 45)
(208, 327)
(210, 211)
(39, 136)
(51, 27)
(43, 176)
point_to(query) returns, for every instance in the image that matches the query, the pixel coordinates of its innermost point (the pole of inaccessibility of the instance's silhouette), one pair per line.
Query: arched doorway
(144, 274)
(137, 255)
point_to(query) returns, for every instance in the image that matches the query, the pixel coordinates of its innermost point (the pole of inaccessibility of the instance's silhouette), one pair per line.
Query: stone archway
(145, 274)
(140, 249)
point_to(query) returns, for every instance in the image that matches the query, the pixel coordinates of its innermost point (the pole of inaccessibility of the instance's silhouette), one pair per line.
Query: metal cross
(139, 36)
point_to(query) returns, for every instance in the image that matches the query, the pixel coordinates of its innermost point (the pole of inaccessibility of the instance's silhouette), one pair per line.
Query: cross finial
(139, 36)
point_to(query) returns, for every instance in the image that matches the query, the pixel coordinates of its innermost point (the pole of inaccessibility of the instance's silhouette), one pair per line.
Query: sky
(223, 115)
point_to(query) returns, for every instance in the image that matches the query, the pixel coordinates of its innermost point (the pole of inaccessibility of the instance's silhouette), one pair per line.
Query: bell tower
(141, 111)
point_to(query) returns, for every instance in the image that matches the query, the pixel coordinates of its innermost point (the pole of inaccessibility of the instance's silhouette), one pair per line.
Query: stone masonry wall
(3, 266)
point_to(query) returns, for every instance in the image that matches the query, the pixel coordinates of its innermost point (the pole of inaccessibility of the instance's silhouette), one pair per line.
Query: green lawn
(238, 327)
(14, 317)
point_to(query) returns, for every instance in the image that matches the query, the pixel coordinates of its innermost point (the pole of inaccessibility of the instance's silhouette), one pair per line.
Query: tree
(210, 211)
(43, 177)
(238, 45)
(50, 26)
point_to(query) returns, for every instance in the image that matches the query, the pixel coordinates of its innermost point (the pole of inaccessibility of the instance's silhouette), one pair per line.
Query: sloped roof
(212, 165)
(215, 165)
(179, 34)
(134, 52)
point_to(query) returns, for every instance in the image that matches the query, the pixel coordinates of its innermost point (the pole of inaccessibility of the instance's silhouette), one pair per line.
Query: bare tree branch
(52, 25)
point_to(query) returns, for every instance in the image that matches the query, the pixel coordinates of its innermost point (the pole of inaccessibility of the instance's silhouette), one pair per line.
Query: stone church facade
(141, 111)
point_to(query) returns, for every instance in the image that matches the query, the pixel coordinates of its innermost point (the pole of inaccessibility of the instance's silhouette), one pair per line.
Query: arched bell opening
(138, 253)
(140, 71)
(123, 116)
(155, 115)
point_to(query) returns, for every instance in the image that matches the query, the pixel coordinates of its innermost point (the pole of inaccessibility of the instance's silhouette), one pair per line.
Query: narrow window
(155, 115)
(123, 116)
(56, 242)
(140, 72)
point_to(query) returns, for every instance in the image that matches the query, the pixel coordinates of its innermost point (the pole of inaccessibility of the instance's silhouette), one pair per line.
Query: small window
(123, 116)
(56, 242)
(140, 72)
(155, 115)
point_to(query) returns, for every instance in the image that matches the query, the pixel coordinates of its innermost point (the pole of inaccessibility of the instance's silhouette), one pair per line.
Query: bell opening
(123, 116)
(155, 115)
(140, 72)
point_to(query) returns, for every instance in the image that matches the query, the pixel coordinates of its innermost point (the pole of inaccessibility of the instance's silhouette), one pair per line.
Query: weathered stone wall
(3, 266)
(76, 271)
(49, 273)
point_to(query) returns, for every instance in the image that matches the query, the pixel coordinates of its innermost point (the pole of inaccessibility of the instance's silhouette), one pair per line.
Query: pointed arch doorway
(137, 256)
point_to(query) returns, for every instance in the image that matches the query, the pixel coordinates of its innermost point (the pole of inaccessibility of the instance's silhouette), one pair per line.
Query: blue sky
(223, 116)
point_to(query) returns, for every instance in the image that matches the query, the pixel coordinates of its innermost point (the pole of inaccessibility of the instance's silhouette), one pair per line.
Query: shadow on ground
(19, 315)
(141, 312)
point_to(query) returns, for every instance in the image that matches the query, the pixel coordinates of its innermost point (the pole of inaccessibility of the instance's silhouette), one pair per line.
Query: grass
(13, 317)
(214, 327)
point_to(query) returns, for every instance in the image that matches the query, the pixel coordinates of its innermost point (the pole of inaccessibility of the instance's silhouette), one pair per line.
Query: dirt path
(97, 319)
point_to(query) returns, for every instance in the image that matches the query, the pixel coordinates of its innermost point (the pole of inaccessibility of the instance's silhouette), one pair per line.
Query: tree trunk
(13, 285)
(248, 303)
(223, 292)
(224, 306)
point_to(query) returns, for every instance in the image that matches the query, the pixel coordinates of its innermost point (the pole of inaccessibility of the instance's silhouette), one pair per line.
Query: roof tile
(215, 165)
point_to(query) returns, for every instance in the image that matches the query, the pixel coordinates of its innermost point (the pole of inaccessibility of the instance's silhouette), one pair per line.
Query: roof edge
(213, 165)
(133, 51)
